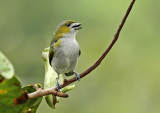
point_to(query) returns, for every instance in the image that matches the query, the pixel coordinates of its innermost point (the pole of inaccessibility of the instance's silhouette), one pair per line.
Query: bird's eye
(68, 24)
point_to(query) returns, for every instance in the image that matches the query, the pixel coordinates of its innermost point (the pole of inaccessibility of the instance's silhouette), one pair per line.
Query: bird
(65, 50)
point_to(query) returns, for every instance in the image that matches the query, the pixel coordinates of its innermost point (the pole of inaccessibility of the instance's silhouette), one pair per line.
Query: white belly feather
(65, 56)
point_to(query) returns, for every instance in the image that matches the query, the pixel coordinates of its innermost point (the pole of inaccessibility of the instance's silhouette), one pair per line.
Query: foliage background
(127, 81)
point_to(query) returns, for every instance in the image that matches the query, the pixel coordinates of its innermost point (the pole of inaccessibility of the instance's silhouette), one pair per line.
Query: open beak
(76, 26)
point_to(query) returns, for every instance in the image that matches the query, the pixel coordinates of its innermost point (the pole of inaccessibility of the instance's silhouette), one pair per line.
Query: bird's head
(67, 28)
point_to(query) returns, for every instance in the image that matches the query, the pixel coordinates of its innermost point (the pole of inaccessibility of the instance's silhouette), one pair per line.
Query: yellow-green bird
(65, 50)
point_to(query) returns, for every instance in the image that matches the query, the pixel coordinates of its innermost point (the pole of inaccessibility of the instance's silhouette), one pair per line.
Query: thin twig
(67, 82)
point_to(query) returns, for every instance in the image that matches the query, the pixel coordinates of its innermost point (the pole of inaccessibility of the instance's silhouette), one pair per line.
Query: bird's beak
(76, 26)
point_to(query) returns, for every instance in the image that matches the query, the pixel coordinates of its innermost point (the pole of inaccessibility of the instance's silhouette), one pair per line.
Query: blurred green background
(128, 79)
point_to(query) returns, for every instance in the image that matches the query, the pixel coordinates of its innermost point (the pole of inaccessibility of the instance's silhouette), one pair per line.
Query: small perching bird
(64, 49)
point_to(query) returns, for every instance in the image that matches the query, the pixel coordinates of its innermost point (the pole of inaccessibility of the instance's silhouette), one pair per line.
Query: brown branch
(67, 82)
(40, 92)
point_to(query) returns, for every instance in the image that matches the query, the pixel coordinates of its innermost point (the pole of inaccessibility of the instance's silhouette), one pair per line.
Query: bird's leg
(77, 75)
(57, 83)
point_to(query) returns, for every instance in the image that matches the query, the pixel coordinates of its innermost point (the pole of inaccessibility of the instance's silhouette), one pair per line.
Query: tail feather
(69, 74)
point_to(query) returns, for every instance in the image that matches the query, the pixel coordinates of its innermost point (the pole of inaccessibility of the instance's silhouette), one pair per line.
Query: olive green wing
(54, 40)
(51, 51)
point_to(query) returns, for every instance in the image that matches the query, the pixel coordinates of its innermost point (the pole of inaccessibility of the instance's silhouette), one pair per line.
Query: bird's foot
(58, 86)
(77, 76)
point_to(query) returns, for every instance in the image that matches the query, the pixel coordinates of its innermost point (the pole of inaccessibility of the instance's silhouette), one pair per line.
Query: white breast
(66, 56)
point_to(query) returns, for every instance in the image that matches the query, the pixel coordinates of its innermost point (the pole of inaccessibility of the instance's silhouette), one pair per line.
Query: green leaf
(68, 88)
(10, 109)
(6, 68)
(32, 104)
(50, 80)
(12, 97)
(10, 90)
